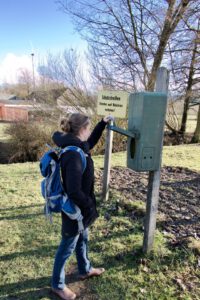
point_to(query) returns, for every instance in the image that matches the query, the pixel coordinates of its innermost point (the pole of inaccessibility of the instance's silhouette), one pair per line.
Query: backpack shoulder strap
(46, 160)
(77, 149)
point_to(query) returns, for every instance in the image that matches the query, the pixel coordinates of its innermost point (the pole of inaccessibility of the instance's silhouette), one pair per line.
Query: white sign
(112, 103)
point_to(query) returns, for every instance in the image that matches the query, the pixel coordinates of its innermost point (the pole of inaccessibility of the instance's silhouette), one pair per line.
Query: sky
(32, 26)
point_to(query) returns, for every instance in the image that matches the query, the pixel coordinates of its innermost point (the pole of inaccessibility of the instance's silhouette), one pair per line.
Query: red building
(12, 113)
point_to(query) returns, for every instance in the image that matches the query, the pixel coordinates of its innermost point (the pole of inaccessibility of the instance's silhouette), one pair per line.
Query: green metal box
(146, 114)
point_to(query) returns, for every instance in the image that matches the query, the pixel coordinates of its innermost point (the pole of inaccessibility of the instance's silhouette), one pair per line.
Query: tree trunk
(170, 23)
(185, 114)
(196, 136)
(189, 90)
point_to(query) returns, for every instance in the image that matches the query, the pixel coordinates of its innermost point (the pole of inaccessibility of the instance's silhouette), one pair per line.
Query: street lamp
(32, 55)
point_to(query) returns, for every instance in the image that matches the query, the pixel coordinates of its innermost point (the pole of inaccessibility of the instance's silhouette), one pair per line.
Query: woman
(79, 188)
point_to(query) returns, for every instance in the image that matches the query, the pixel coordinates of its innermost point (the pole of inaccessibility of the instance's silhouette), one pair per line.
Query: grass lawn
(187, 156)
(28, 243)
(191, 122)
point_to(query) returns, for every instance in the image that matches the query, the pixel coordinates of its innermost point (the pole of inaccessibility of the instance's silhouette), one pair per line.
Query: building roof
(5, 96)
(13, 102)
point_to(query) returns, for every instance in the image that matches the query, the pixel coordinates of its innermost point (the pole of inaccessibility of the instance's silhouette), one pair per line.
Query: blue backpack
(56, 200)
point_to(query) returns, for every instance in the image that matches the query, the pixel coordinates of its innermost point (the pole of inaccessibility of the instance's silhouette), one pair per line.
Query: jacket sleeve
(96, 133)
(71, 168)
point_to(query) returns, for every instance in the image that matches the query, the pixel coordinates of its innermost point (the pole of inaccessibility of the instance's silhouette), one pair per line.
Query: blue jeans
(79, 243)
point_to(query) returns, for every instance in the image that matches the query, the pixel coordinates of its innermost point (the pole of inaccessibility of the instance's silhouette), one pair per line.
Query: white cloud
(10, 67)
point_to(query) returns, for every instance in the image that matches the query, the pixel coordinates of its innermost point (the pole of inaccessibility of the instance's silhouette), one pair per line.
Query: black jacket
(79, 187)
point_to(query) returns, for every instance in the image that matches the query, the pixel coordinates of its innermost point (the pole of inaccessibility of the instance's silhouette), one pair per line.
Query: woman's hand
(108, 118)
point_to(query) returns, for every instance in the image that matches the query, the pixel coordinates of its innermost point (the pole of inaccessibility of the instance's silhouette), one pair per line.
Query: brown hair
(74, 123)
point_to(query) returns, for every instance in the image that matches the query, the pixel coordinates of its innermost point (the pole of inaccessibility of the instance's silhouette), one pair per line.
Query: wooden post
(162, 81)
(107, 162)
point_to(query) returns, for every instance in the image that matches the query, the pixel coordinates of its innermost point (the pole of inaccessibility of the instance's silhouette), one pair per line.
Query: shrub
(28, 140)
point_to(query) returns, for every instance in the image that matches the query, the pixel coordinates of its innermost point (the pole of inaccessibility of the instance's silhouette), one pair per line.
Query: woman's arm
(71, 168)
(96, 133)
(59, 138)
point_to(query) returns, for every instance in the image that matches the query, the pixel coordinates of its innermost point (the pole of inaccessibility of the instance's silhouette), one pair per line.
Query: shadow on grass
(14, 289)
(119, 234)
(21, 207)
(21, 217)
(135, 258)
(33, 295)
(38, 288)
(32, 288)
(24, 290)
(40, 252)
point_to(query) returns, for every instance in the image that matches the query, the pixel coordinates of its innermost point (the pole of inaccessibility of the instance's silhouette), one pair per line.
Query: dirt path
(77, 286)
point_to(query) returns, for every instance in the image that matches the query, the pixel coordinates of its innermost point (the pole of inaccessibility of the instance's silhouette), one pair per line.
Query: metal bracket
(134, 134)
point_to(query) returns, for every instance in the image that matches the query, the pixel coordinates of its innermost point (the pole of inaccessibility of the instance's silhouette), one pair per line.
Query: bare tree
(127, 38)
(184, 50)
(23, 86)
(67, 68)
(196, 136)
(25, 79)
(128, 41)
